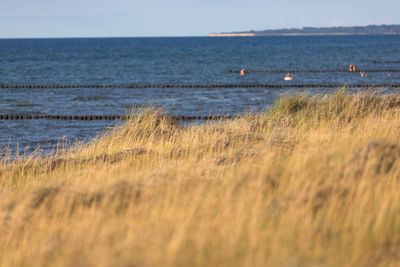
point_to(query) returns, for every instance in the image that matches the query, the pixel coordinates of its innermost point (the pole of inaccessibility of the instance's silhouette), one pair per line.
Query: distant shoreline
(231, 34)
(313, 31)
(292, 34)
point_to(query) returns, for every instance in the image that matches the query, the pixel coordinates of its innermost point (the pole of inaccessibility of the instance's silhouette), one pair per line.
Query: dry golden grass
(315, 181)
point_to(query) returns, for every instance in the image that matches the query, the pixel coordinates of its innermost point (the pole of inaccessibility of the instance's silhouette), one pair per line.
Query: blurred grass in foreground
(315, 181)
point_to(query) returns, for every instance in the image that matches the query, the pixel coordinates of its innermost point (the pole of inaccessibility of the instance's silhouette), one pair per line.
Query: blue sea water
(191, 60)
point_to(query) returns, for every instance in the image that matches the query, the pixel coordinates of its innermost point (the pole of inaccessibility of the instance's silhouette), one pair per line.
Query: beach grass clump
(313, 181)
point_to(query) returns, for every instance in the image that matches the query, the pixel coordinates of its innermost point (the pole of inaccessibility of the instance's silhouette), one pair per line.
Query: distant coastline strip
(319, 31)
(239, 85)
(298, 34)
(230, 34)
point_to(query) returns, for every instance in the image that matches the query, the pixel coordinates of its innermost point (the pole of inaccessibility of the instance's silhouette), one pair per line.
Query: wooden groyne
(107, 117)
(319, 71)
(228, 85)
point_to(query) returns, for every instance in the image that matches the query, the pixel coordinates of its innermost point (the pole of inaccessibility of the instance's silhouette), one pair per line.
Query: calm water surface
(194, 60)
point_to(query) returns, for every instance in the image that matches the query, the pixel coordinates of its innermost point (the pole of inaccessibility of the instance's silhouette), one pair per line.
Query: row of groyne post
(107, 117)
(240, 85)
(317, 70)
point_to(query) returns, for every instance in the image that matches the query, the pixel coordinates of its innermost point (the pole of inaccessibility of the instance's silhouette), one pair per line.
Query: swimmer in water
(389, 74)
(288, 77)
(362, 73)
(242, 72)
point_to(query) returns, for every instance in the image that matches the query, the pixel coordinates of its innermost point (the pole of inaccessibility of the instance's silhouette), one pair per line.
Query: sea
(177, 60)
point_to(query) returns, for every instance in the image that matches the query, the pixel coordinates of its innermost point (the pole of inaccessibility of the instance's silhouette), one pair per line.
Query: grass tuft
(314, 181)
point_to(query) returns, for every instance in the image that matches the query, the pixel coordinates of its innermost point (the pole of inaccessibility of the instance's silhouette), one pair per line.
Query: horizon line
(205, 35)
(196, 36)
(100, 37)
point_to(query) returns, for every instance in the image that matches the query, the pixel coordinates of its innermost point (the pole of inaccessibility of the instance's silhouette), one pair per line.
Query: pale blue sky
(106, 18)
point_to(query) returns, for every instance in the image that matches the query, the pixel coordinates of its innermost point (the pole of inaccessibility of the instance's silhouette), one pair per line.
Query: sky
(130, 18)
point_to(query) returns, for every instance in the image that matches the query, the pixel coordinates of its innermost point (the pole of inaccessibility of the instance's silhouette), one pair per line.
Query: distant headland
(354, 30)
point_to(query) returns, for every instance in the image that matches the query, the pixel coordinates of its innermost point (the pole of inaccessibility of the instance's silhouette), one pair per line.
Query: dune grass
(314, 181)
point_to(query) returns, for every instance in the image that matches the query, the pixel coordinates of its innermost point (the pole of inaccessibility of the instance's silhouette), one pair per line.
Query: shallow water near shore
(195, 60)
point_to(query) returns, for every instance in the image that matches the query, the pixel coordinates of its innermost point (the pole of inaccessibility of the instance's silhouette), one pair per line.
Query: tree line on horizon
(370, 29)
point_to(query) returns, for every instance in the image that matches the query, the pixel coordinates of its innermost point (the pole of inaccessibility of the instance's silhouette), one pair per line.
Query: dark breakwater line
(276, 86)
(108, 117)
(316, 71)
